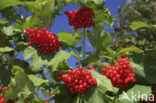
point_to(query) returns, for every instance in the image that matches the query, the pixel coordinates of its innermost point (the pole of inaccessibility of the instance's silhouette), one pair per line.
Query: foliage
(138, 17)
(21, 75)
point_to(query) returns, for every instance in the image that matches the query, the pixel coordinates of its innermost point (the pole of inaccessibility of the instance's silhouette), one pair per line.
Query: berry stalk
(84, 42)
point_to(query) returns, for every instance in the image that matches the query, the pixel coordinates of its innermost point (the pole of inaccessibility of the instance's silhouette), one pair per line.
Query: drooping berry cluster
(3, 99)
(120, 74)
(78, 81)
(81, 18)
(45, 40)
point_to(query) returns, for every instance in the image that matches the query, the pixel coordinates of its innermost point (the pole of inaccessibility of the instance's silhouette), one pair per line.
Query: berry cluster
(78, 81)
(81, 18)
(45, 40)
(3, 99)
(120, 74)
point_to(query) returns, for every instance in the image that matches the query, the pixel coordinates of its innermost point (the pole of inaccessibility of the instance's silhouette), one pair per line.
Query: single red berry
(4, 89)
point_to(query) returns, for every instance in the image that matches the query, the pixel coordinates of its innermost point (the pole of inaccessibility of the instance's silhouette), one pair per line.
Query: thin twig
(44, 77)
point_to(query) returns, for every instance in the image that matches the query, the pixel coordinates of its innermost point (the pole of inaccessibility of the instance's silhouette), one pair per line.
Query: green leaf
(20, 85)
(104, 83)
(144, 67)
(99, 2)
(21, 46)
(64, 93)
(101, 15)
(64, 65)
(96, 94)
(130, 49)
(83, 2)
(46, 18)
(37, 81)
(99, 39)
(8, 3)
(60, 57)
(23, 64)
(38, 59)
(137, 90)
(5, 74)
(139, 73)
(10, 31)
(106, 39)
(68, 38)
(2, 22)
(137, 25)
(6, 49)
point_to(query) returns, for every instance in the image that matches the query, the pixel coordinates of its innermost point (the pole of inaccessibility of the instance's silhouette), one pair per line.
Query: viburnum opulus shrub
(46, 41)
(101, 78)
(120, 74)
(78, 81)
(81, 18)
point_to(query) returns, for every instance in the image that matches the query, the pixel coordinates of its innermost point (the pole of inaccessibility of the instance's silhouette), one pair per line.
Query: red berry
(4, 89)
(91, 68)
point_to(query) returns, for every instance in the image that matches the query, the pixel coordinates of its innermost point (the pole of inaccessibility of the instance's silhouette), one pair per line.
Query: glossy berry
(91, 68)
(78, 81)
(46, 41)
(4, 89)
(81, 18)
(120, 74)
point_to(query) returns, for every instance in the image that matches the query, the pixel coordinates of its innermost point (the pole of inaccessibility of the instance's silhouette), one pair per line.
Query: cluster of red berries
(78, 81)
(45, 40)
(3, 99)
(120, 74)
(81, 18)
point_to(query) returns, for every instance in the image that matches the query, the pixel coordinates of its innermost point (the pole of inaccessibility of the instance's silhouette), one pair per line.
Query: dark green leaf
(21, 46)
(5, 74)
(144, 67)
(129, 49)
(101, 15)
